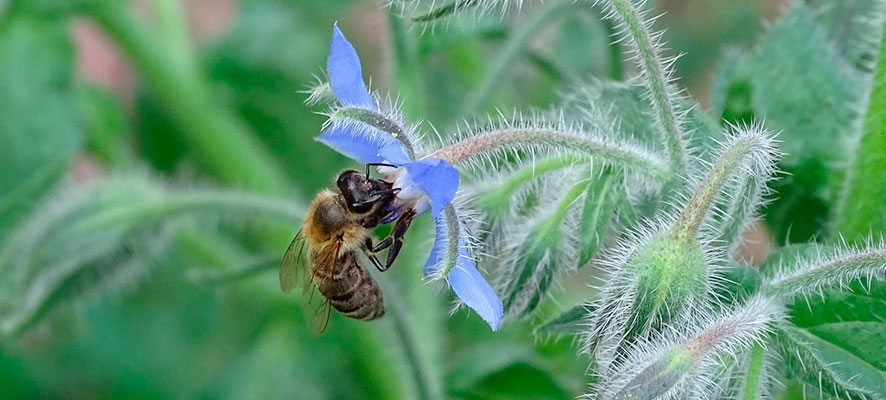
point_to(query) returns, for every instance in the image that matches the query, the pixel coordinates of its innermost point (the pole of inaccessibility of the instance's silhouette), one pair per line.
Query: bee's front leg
(396, 238)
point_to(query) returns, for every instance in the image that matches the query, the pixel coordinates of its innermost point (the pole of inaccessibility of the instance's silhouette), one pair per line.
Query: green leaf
(854, 26)
(833, 366)
(600, 202)
(570, 322)
(38, 121)
(862, 208)
(105, 125)
(801, 87)
(737, 284)
(516, 382)
(839, 334)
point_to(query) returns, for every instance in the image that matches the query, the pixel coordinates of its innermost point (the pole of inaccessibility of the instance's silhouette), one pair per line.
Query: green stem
(755, 371)
(224, 144)
(426, 387)
(661, 94)
(138, 215)
(504, 61)
(172, 24)
(625, 156)
(691, 218)
(254, 268)
(861, 211)
(407, 62)
(445, 10)
(526, 173)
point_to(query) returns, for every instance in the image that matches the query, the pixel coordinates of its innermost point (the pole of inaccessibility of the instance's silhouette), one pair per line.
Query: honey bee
(336, 230)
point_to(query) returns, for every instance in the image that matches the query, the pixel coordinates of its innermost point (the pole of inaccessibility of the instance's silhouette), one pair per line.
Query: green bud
(670, 277)
(659, 377)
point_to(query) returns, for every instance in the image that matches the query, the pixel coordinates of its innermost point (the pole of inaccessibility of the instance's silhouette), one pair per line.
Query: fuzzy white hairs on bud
(680, 362)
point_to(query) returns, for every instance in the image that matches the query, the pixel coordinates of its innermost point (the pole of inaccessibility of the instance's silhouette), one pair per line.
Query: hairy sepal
(686, 360)
(543, 248)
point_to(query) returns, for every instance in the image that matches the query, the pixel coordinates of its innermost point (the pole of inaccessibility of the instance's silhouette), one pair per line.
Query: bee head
(362, 193)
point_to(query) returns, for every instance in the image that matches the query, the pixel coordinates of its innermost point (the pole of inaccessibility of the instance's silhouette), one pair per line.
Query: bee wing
(293, 261)
(294, 265)
(327, 259)
(318, 319)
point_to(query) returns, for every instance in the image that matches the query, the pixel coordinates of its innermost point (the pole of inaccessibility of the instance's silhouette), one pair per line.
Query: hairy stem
(835, 271)
(504, 61)
(861, 211)
(620, 155)
(177, 205)
(692, 217)
(445, 10)
(755, 372)
(224, 145)
(661, 93)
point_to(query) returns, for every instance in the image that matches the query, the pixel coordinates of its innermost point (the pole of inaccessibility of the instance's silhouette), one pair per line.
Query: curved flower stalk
(685, 363)
(665, 271)
(359, 130)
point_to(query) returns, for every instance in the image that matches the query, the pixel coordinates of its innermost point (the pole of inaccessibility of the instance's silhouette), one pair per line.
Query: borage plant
(676, 315)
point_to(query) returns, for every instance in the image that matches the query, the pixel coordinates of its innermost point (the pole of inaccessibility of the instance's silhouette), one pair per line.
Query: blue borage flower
(363, 134)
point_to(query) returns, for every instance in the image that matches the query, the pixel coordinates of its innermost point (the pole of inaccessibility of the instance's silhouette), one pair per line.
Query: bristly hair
(486, 145)
(635, 27)
(684, 361)
(101, 225)
(432, 12)
(519, 237)
(820, 268)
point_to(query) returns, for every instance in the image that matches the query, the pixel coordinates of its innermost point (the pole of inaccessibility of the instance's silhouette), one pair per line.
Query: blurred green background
(164, 93)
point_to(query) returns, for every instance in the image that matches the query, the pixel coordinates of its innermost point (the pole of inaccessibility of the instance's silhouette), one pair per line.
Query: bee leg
(396, 237)
(370, 250)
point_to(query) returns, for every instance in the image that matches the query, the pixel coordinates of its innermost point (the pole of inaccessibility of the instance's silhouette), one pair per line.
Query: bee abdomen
(352, 290)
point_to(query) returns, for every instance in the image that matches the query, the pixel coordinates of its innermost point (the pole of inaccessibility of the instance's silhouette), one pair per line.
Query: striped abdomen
(350, 288)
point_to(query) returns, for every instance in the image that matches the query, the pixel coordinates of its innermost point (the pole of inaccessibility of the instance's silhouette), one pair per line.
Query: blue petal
(347, 140)
(474, 291)
(346, 74)
(465, 280)
(394, 153)
(438, 179)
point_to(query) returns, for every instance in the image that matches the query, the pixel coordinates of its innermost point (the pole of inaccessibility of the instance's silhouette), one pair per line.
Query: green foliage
(39, 132)
(857, 217)
(796, 80)
(167, 290)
